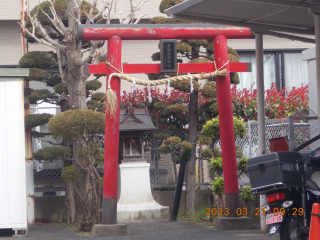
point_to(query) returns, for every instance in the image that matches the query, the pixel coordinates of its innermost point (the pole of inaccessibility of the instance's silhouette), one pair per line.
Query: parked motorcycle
(291, 182)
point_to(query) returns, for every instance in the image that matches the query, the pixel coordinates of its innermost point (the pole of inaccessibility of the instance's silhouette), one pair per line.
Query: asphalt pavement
(147, 230)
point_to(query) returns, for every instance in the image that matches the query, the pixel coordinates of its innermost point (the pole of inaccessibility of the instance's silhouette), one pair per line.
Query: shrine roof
(264, 16)
(135, 119)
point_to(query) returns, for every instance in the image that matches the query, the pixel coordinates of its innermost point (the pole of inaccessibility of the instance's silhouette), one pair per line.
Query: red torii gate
(115, 34)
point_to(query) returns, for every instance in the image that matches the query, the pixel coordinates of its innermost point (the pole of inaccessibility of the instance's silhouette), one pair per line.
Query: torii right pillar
(228, 148)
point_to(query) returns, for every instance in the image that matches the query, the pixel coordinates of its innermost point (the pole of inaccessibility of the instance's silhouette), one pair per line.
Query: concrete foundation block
(233, 223)
(109, 230)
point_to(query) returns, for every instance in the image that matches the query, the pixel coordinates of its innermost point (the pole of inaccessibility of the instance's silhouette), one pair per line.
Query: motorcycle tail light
(276, 197)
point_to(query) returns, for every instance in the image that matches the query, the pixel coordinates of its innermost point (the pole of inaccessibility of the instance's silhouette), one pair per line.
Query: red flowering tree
(278, 103)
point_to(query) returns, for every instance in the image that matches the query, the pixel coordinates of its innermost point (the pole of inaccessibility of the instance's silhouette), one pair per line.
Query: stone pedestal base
(112, 230)
(136, 201)
(233, 223)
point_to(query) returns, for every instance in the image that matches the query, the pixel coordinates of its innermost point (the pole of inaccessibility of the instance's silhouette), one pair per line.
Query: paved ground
(148, 230)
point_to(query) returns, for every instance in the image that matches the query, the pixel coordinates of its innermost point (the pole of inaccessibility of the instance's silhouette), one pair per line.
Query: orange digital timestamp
(258, 212)
(239, 212)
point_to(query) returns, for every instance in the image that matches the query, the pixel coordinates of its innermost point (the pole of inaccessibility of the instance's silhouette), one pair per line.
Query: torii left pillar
(111, 142)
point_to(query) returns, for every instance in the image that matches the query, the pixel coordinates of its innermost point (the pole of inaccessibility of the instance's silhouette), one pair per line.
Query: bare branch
(134, 9)
(42, 41)
(90, 14)
(37, 28)
(139, 18)
(120, 11)
(73, 17)
(56, 20)
(53, 22)
(91, 54)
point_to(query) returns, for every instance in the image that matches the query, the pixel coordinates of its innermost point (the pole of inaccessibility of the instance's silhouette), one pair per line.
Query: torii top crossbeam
(158, 31)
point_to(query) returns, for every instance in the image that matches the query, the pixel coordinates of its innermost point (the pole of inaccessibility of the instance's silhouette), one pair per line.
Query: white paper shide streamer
(133, 85)
(168, 89)
(191, 84)
(149, 92)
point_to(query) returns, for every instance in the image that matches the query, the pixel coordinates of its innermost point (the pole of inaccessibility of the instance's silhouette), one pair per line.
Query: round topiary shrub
(93, 85)
(176, 108)
(98, 96)
(206, 153)
(60, 88)
(37, 59)
(155, 56)
(209, 90)
(184, 85)
(50, 153)
(35, 120)
(72, 124)
(96, 106)
(159, 105)
(172, 141)
(36, 95)
(71, 174)
(183, 47)
(36, 74)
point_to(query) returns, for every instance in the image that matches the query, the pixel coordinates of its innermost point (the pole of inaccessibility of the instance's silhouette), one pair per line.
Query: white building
(283, 63)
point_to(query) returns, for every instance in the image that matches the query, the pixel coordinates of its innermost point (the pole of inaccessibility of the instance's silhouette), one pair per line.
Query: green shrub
(184, 85)
(50, 153)
(61, 88)
(36, 74)
(209, 90)
(35, 120)
(40, 94)
(207, 153)
(186, 152)
(72, 124)
(218, 186)
(98, 96)
(37, 59)
(245, 194)
(176, 108)
(216, 166)
(71, 174)
(93, 85)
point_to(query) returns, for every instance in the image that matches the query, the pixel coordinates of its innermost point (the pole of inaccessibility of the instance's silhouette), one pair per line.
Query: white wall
(10, 49)
(10, 9)
(12, 156)
(309, 55)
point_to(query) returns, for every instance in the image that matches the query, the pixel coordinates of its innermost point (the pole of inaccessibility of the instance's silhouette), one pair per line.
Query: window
(285, 68)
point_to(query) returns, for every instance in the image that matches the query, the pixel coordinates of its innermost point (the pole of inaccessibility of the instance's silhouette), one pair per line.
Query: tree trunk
(192, 137)
(173, 158)
(79, 197)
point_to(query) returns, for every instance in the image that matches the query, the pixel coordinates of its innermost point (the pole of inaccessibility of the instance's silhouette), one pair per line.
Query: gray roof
(135, 120)
(268, 16)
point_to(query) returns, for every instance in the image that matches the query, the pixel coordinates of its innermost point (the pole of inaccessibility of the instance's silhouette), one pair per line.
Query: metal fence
(296, 129)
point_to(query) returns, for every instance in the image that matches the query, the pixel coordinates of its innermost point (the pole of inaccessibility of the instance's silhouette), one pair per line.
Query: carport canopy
(282, 18)
(292, 19)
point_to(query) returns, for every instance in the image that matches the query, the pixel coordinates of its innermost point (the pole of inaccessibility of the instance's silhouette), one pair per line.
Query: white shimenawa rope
(133, 85)
(168, 89)
(112, 98)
